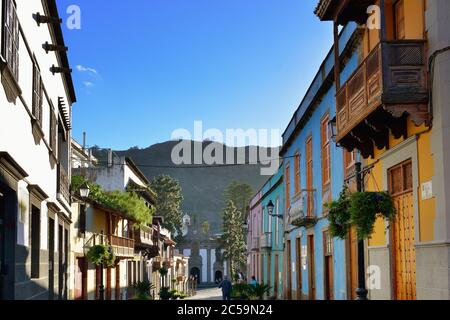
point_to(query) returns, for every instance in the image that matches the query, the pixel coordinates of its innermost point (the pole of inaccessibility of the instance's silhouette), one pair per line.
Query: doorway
(218, 276)
(298, 251)
(328, 265)
(288, 271)
(403, 232)
(276, 280)
(352, 263)
(195, 272)
(80, 279)
(51, 259)
(60, 263)
(311, 269)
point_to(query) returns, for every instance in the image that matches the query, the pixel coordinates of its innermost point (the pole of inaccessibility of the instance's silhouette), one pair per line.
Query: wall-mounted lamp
(332, 128)
(45, 19)
(270, 206)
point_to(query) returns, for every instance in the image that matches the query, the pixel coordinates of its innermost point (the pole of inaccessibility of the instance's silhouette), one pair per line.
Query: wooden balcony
(343, 11)
(390, 84)
(254, 244)
(144, 236)
(63, 186)
(156, 264)
(168, 263)
(122, 247)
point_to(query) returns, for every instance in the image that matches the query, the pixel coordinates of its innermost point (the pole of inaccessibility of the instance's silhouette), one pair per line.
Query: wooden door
(51, 259)
(276, 278)
(117, 291)
(328, 265)
(404, 252)
(268, 257)
(108, 284)
(80, 279)
(298, 250)
(60, 263)
(352, 263)
(311, 269)
(289, 271)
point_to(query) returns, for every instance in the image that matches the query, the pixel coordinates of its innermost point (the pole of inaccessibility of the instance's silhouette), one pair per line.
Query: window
(399, 20)
(37, 94)
(328, 241)
(349, 168)
(82, 220)
(288, 186)
(277, 212)
(297, 173)
(35, 242)
(325, 139)
(53, 128)
(10, 41)
(309, 175)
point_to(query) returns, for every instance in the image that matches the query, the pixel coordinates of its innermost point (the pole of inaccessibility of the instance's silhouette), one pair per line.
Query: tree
(168, 202)
(240, 194)
(233, 240)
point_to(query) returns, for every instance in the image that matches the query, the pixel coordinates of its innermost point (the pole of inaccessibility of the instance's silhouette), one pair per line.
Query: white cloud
(88, 84)
(81, 68)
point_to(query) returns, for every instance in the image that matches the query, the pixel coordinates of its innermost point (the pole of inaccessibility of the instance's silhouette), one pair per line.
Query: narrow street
(207, 294)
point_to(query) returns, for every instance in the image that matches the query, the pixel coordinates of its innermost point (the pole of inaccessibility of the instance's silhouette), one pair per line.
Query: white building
(36, 96)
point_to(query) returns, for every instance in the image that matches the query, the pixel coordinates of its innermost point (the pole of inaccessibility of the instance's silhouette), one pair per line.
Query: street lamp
(361, 292)
(84, 190)
(270, 207)
(332, 128)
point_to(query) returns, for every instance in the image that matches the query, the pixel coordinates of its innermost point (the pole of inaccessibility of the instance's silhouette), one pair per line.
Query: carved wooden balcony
(266, 240)
(389, 84)
(343, 11)
(144, 236)
(122, 247)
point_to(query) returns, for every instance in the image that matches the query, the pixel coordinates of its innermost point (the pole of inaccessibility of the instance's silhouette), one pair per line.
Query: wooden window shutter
(288, 182)
(325, 138)
(37, 94)
(10, 40)
(53, 129)
(297, 173)
(309, 175)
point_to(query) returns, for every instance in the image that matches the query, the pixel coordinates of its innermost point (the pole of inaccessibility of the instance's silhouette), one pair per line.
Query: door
(328, 265)
(311, 269)
(404, 252)
(51, 259)
(298, 250)
(268, 271)
(117, 290)
(108, 284)
(80, 275)
(352, 261)
(288, 271)
(276, 278)
(60, 263)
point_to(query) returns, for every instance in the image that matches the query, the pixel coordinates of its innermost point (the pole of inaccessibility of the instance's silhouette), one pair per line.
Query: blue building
(317, 266)
(271, 243)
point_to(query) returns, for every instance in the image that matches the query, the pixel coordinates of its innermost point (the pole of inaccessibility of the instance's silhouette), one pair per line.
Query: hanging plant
(366, 207)
(99, 254)
(339, 215)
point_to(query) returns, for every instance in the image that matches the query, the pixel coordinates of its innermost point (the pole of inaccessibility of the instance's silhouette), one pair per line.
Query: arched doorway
(218, 277)
(196, 273)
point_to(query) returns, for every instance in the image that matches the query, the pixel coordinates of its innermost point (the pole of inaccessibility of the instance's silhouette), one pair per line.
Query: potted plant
(99, 254)
(165, 294)
(258, 291)
(143, 289)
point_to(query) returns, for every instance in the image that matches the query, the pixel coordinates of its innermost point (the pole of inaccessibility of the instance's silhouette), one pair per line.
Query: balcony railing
(122, 247)
(303, 208)
(63, 183)
(266, 240)
(393, 76)
(254, 243)
(168, 263)
(144, 236)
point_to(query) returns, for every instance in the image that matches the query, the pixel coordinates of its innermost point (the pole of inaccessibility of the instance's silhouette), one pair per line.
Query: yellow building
(384, 111)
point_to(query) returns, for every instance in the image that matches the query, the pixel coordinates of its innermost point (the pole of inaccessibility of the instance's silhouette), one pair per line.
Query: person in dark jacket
(226, 287)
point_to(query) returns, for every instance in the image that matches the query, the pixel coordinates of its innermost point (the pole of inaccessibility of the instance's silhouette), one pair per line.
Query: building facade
(392, 110)
(254, 233)
(316, 266)
(36, 97)
(272, 238)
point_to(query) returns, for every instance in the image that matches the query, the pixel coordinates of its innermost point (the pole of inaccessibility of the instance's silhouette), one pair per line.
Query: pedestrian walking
(226, 287)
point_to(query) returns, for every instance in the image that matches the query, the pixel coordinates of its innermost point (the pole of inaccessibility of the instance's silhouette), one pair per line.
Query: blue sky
(144, 68)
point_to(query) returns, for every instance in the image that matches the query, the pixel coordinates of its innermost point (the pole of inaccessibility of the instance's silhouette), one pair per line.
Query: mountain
(203, 186)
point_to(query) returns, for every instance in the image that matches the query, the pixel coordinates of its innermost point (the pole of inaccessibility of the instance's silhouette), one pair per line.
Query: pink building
(254, 222)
